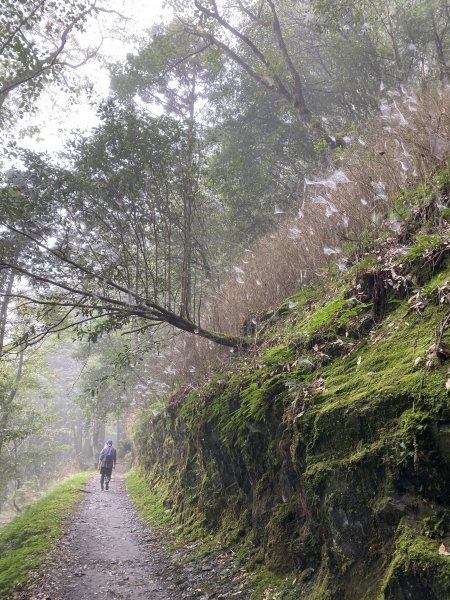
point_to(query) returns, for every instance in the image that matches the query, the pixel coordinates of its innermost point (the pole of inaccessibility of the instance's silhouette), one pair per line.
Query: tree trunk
(88, 451)
(189, 192)
(77, 440)
(17, 482)
(146, 309)
(119, 432)
(444, 71)
(98, 437)
(4, 307)
(5, 413)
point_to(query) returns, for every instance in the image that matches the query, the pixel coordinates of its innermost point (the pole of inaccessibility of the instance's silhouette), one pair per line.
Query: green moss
(437, 525)
(416, 559)
(385, 365)
(323, 316)
(324, 416)
(411, 199)
(365, 264)
(149, 505)
(278, 355)
(322, 584)
(442, 178)
(376, 398)
(150, 501)
(431, 287)
(267, 584)
(422, 243)
(258, 395)
(26, 541)
(280, 556)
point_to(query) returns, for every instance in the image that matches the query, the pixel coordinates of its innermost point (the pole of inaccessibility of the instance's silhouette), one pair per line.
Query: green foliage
(33, 47)
(148, 503)
(26, 541)
(30, 447)
(132, 208)
(109, 369)
(316, 403)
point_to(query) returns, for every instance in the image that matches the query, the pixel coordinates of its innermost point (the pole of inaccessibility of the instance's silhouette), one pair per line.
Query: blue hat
(109, 442)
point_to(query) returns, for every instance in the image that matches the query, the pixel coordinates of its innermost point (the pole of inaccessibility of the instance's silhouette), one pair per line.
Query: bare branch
(24, 21)
(149, 310)
(299, 100)
(51, 60)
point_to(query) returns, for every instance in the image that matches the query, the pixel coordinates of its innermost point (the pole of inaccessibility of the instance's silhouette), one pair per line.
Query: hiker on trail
(106, 462)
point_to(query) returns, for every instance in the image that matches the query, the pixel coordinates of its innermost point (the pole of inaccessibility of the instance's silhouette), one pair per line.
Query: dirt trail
(106, 552)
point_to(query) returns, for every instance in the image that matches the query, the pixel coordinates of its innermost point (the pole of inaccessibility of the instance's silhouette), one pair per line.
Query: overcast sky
(57, 115)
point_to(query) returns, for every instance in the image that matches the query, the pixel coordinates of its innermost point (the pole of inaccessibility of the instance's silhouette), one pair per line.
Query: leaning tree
(105, 237)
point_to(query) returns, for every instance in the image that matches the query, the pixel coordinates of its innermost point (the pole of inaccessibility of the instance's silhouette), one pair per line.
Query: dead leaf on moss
(444, 293)
(442, 550)
(437, 353)
(447, 385)
(420, 305)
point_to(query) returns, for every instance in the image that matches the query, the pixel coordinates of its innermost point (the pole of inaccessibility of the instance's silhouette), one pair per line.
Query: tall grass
(337, 218)
(352, 203)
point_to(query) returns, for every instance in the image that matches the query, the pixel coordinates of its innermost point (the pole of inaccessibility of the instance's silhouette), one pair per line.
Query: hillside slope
(325, 453)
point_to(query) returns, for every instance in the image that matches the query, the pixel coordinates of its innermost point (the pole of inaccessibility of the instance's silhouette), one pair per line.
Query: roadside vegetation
(244, 265)
(326, 448)
(26, 541)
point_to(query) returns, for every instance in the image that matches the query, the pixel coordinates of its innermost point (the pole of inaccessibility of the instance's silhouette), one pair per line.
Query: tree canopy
(140, 216)
(107, 245)
(38, 46)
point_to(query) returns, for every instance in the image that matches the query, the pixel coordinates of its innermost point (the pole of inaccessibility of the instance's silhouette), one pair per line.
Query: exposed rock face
(338, 474)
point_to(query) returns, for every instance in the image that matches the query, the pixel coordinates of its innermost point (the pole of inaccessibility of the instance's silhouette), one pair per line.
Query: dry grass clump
(178, 361)
(351, 202)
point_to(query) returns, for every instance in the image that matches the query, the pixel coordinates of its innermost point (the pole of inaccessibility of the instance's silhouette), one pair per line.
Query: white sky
(57, 116)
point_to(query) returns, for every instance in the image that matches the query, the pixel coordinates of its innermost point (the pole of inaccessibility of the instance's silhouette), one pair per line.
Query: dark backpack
(108, 454)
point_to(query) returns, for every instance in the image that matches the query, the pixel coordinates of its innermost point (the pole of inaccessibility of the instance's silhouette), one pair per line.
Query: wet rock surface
(108, 552)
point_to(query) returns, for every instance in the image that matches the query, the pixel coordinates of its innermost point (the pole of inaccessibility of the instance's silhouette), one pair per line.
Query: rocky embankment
(323, 458)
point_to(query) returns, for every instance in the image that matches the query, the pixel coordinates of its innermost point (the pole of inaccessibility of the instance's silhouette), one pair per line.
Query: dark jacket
(108, 460)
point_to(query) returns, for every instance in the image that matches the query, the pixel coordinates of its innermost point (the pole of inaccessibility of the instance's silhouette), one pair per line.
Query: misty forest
(225, 248)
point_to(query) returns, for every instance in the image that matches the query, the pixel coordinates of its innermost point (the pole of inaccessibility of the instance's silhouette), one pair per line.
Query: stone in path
(106, 552)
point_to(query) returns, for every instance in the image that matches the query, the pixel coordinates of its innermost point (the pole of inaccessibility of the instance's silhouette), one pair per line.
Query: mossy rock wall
(330, 462)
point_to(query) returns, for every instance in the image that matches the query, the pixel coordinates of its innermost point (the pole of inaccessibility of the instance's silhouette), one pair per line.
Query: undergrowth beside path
(321, 460)
(148, 504)
(26, 541)
(202, 563)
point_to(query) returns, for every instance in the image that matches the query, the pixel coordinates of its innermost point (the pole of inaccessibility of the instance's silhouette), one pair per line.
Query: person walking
(106, 463)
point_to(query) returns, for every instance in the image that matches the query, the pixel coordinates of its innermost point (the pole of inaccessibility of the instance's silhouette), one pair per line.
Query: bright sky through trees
(58, 111)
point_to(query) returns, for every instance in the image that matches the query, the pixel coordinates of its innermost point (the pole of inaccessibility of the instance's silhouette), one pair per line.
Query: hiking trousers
(105, 475)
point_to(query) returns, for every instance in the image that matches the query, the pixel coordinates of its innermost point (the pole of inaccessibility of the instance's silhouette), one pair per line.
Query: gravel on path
(106, 552)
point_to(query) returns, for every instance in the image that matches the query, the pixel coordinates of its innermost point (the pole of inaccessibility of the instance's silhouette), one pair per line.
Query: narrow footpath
(106, 552)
